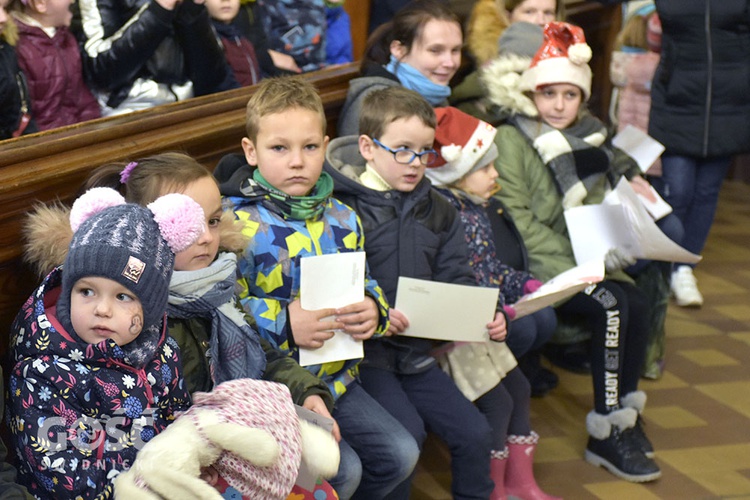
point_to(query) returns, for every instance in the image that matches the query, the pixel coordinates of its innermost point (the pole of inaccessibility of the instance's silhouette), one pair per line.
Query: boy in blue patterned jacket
(95, 374)
(285, 201)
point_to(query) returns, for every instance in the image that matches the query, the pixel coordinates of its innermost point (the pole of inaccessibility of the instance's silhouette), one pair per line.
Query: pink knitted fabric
(262, 405)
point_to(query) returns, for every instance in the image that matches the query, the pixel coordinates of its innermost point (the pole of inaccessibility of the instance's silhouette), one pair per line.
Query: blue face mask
(412, 79)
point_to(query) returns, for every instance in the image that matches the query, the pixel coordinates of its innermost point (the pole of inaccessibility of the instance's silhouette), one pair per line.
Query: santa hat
(562, 58)
(463, 144)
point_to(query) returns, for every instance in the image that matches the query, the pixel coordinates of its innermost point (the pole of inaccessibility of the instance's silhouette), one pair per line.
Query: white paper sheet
(560, 287)
(305, 478)
(644, 149)
(445, 311)
(620, 221)
(332, 280)
(658, 208)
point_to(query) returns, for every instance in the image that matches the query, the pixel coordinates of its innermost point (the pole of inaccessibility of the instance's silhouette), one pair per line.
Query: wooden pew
(52, 165)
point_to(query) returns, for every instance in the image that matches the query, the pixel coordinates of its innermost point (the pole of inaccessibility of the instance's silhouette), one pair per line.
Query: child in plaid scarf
(557, 160)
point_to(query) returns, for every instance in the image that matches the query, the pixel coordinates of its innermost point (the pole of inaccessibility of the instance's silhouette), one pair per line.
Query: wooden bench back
(52, 165)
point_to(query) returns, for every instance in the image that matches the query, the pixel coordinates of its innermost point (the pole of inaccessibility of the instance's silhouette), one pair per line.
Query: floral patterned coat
(79, 412)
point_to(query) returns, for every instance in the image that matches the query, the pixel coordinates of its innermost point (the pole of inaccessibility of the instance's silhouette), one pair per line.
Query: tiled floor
(698, 413)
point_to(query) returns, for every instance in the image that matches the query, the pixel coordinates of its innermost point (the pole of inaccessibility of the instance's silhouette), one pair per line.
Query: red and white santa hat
(463, 144)
(562, 58)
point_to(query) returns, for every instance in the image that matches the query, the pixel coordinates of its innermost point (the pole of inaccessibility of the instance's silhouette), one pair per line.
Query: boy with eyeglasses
(411, 230)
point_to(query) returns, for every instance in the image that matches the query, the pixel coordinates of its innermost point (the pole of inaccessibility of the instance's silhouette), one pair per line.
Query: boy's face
(54, 13)
(410, 133)
(101, 308)
(203, 252)
(289, 150)
(481, 182)
(558, 104)
(223, 10)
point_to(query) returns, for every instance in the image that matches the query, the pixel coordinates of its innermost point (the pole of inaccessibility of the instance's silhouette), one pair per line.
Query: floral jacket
(79, 412)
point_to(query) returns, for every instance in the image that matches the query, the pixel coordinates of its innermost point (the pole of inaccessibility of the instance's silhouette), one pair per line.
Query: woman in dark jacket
(700, 111)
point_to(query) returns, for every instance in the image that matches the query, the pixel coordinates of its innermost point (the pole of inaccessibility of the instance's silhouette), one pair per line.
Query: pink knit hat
(562, 58)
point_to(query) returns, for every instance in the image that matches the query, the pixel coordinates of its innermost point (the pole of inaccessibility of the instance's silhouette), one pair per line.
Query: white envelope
(332, 280)
(444, 311)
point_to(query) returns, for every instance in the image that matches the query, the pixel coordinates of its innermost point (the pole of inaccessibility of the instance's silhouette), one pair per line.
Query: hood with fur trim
(501, 79)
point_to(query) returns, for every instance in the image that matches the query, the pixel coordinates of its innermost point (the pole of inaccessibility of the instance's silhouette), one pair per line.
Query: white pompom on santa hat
(463, 144)
(562, 58)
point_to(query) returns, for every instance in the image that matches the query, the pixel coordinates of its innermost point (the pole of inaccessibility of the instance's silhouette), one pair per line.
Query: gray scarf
(209, 293)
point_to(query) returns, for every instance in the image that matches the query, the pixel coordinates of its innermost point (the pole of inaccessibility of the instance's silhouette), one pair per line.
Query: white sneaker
(684, 288)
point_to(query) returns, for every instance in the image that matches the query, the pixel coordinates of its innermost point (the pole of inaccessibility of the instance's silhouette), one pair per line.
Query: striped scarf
(577, 156)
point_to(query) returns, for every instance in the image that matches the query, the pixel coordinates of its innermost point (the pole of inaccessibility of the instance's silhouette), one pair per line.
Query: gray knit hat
(521, 38)
(130, 244)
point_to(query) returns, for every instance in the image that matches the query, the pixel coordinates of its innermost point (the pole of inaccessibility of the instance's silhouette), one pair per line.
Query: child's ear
(398, 50)
(251, 155)
(39, 6)
(366, 147)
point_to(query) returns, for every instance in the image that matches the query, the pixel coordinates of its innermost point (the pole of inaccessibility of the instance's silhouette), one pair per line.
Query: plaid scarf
(578, 156)
(209, 293)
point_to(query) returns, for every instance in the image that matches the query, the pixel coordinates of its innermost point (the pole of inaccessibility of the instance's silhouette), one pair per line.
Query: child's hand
(498, 329)
(307, 329)
(399, 323)
(210, 475)
(643, 188)
(360, 320)
(315, 403)
(284, 61)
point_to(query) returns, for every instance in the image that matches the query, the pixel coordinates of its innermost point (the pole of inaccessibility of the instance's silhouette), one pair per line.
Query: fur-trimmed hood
(47, 235)
(501, 79)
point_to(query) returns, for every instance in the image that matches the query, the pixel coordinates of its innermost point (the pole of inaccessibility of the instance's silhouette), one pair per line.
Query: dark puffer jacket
(417, 235)
(700, 98)
(53, 71)
(14, 95)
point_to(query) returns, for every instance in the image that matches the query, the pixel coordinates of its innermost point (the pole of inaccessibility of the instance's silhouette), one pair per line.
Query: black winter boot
(637, 401)
(611, 448)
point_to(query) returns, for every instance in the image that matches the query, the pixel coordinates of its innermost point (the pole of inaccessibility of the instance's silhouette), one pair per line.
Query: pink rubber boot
(519, 473)
(498, 464)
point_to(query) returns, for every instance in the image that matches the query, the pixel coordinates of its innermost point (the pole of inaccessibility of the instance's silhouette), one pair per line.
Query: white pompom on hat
(463, 144)
(562, 58)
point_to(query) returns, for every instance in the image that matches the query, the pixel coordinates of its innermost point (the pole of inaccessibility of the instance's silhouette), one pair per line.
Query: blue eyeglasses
(406, 156)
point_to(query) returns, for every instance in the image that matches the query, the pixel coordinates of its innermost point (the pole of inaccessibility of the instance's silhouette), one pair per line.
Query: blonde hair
(10, 32)
(276, 95)
(633, 34)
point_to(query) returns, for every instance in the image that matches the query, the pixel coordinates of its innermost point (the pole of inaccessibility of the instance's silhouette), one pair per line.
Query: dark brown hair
(384, 106)
(406, 27)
